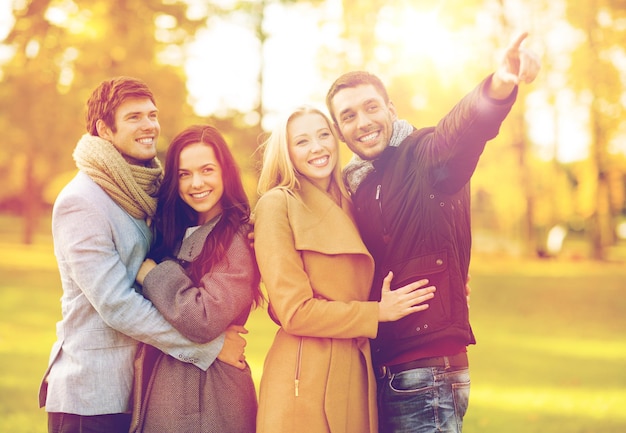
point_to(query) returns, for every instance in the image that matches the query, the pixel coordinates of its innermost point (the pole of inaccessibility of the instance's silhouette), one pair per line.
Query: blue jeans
(423, 400)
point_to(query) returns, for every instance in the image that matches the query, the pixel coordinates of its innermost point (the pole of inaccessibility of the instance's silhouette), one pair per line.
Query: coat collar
(194, 240)
(319, 224)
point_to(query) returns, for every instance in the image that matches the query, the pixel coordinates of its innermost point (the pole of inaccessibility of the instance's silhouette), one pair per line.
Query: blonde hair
(278, 170)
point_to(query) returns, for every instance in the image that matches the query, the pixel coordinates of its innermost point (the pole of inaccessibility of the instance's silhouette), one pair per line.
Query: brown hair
(354, 79)
(108, 96)
(174, 216)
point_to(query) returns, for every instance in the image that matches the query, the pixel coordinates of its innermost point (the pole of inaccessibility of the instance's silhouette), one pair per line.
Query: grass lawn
(551, 352)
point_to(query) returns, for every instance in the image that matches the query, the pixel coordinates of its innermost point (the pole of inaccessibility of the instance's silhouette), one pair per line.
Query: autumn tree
(596, 76)
(61, 50)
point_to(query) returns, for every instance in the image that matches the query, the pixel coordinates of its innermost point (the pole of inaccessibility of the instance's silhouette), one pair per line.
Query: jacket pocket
(432, 267)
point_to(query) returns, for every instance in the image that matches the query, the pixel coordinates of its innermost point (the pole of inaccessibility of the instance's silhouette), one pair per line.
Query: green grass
(551, 352)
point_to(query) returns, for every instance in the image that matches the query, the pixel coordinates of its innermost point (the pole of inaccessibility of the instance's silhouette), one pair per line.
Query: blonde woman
(318, 374)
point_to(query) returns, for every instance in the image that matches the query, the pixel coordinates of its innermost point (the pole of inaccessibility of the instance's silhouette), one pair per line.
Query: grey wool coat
(173, 396)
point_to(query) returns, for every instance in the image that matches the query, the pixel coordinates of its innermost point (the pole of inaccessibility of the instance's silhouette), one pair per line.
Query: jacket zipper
(298, 366)
(380, 210)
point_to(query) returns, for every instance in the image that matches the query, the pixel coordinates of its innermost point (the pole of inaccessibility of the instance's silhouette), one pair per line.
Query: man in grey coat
(101, 236)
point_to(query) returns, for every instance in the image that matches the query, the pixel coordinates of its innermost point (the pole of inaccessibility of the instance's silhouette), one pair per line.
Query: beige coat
(318, 374)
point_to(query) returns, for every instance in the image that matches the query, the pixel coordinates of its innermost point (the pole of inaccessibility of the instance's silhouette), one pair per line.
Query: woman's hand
(146, 267)
(403, 301)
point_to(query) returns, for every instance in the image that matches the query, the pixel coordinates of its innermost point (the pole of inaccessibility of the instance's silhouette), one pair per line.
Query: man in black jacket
(411, 194)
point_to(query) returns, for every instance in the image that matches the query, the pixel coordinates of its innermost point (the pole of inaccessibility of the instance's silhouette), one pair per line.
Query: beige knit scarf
(134, 188)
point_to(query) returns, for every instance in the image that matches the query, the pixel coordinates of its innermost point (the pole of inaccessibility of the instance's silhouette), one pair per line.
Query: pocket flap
(419, 267)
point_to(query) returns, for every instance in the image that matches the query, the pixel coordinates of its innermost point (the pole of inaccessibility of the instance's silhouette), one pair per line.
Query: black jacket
(413, 212)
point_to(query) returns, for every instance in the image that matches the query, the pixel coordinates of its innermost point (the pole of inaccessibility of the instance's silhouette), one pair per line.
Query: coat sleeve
(291, 297)
(95, 266)
(453, 149)
(202, 312)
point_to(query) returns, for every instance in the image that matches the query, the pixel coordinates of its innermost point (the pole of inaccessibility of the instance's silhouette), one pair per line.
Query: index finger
(518, 41)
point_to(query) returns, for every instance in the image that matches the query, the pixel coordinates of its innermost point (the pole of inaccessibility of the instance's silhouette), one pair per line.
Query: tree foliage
(428, 53)
(62, 50)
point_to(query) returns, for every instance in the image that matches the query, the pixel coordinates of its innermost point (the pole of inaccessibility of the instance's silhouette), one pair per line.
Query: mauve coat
(318, 374)
(176, 396)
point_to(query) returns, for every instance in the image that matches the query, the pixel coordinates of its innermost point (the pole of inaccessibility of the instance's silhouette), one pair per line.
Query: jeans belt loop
(383, 371)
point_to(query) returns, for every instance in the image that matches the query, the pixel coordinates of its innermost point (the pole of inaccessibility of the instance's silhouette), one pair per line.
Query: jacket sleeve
(291, 297)
(203, 312)
(453, 149)
(96, 267)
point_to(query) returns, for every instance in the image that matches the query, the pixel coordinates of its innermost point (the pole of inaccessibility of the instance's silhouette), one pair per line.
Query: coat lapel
(319, 224)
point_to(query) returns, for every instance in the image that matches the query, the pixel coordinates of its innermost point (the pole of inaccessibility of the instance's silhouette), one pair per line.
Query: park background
(549, 208)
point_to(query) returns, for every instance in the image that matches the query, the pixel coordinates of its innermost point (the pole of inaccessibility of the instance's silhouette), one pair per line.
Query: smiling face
(200, 182)
(312, 147)
(136, 130)
(364, 119)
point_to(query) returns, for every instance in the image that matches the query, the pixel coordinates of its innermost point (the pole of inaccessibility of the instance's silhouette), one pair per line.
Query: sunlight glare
(216, 83)
(559, 129)
(416, 36)
(57, 15)
(7, 20)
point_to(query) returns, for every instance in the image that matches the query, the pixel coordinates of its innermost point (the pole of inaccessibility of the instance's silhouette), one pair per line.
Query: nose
(363, 120)
(196, 180)
(316, 146)
(148, 123)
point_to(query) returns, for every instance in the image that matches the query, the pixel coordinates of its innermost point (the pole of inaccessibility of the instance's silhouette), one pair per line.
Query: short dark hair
(354, 79)
(108, 96)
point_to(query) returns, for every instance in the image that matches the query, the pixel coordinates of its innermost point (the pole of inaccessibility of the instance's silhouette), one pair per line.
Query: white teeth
(369, 137)
(319, 161)
(201, 195)
(145, 140)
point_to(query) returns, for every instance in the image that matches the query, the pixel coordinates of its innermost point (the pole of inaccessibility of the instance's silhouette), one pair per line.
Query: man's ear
(103, 130)
(338, 132)
(392, 109)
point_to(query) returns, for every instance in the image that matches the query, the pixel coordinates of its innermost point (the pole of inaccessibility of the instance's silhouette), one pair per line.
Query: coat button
(439, 262)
